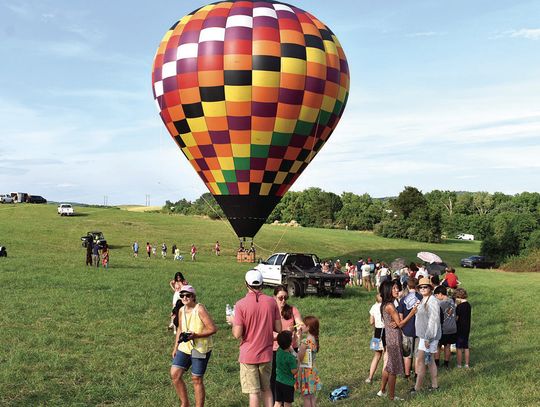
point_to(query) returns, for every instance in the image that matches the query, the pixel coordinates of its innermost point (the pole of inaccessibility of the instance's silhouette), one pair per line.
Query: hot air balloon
(250, 91)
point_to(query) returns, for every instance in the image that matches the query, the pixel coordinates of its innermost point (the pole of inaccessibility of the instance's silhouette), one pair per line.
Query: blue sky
(444, 95)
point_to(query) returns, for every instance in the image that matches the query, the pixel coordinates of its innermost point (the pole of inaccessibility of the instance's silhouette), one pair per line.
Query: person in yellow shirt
(192, 346)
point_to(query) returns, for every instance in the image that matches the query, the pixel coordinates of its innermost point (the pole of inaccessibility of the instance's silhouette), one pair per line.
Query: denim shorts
(184, 361)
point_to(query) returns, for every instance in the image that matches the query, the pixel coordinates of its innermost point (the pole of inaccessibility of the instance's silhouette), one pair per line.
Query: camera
(184, 337)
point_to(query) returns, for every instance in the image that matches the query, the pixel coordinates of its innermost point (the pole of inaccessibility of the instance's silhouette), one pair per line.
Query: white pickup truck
(65, 210)
(301, 274)
(6, 198)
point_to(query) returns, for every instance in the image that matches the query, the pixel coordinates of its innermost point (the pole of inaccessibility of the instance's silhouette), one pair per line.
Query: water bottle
(228, 310)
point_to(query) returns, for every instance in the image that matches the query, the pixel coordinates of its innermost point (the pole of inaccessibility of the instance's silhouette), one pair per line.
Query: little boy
(449, 328)
(463, 319)
(286, 368)
(450, 280)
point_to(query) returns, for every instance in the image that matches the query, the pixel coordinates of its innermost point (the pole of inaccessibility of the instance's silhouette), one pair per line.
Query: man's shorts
(410, 345)
(462, 342)
(447, 339)
(184, 361)
(433, 345)
(255, 378)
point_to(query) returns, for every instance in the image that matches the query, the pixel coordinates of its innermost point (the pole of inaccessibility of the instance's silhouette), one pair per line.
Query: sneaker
(171, 326)
(458, 366)
(466, 366)
(381, 394)
(396, 398)
(433, 389)
(368, 380)
(412, 391)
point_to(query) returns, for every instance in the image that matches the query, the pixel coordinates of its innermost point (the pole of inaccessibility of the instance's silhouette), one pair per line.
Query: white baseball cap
(254, 278)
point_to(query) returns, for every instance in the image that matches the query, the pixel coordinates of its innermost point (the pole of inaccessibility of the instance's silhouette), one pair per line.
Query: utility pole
(147, 200)
(105, 200)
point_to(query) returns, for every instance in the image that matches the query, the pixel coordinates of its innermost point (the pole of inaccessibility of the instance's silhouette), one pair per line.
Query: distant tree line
(508, 225)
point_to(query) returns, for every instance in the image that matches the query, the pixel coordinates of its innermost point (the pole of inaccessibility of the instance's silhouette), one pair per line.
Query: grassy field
(77, 336)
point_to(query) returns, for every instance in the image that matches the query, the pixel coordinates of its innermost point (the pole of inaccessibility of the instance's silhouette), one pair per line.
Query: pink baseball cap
(187, 289)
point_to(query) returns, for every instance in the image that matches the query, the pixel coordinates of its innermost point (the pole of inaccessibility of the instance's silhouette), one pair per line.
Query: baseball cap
(254, 278)
(187, 289)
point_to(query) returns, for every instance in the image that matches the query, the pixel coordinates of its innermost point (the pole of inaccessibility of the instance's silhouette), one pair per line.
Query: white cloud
(529, 33)
(426, 34)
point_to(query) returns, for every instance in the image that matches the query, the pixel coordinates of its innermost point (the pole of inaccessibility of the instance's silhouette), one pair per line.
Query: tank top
(193, 323)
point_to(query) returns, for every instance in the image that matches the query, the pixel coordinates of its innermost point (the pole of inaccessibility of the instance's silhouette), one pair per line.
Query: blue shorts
(462, 342)
(184, 361)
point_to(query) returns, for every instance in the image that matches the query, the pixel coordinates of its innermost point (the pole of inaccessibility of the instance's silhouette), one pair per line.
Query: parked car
(36, 199)
(95, 237)
(65, 210)
(6, 199)
(465, 236)
(301, 274)
(477, 262)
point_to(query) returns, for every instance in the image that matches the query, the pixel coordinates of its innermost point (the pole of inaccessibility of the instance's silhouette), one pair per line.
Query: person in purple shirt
(256, 318)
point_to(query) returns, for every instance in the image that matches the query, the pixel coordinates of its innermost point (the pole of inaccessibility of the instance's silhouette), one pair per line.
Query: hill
(75, 335)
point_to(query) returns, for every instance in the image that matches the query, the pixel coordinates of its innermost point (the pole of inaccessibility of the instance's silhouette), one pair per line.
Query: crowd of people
(416, 318)
(414, 324)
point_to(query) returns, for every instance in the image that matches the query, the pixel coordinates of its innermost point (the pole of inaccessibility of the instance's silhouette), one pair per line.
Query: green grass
(77, 336)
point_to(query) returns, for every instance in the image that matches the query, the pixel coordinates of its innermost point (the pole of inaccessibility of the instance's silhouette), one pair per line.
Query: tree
(408, 201)
(359, 212)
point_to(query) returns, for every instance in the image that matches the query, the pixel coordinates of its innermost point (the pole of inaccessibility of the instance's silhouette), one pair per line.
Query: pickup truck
(6, 199)
(301, 274)
(65, 210)
(94, 237)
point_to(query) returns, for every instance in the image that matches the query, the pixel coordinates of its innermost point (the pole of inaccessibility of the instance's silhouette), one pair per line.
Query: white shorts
(432, 345)
(175, 298)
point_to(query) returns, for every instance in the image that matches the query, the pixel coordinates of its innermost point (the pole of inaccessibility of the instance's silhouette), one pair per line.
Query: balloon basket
(245, 257)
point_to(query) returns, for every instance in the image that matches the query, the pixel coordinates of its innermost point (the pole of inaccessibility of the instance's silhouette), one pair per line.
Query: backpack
(339, 393)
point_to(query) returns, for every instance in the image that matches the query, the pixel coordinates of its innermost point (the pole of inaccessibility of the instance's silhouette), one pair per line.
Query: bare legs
(267, 398)
(421, 371)
(459, 353)
(180, 385)
(374, 363)
(390, 380)
(310, 400)
(181, 390)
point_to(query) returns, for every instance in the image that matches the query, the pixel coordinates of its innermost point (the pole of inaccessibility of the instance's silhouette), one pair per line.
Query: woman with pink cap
(192, 346)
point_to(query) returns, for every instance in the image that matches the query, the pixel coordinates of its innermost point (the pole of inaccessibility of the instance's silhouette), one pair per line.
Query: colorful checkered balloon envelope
(250, 91)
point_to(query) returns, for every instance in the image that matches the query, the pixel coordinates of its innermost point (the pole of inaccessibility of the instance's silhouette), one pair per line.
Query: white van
(465, 236)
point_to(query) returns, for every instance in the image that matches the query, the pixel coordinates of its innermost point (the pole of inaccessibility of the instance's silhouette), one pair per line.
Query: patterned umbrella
(429, 257)
(250, 91)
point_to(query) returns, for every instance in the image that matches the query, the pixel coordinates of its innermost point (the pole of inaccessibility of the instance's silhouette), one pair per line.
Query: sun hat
(425, 281)
(187, 289)
(254, 278)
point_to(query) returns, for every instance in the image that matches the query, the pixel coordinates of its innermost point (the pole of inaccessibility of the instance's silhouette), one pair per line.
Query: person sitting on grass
(286, 368)
(450, 280)
(463, 320)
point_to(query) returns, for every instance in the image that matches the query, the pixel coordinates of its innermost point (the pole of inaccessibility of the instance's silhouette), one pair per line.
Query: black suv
(477, 262)
(36, 199)
(95, 237)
